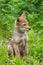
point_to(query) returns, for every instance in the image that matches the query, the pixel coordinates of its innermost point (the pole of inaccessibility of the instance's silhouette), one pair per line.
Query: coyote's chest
(20, 38)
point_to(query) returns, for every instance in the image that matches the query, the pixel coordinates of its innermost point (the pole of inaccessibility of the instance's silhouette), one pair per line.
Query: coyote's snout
(18, 44)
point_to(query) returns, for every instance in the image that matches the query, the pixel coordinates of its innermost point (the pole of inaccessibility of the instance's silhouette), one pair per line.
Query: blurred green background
(9, 11)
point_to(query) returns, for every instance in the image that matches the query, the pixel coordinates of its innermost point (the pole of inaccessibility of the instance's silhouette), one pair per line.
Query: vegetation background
(9, 11)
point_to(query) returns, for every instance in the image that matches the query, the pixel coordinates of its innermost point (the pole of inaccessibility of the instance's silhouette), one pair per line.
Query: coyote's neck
(20, 32)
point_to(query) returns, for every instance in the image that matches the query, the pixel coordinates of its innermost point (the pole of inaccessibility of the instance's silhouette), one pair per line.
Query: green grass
(35, 53)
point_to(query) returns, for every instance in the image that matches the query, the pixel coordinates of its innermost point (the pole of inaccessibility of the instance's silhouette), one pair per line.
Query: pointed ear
(18, 20)
(23, 14)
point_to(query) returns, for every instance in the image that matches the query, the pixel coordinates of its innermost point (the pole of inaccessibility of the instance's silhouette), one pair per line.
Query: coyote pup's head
(22, 23)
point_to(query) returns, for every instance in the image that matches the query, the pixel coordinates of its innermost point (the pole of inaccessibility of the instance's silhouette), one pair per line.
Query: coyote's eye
(24, 24)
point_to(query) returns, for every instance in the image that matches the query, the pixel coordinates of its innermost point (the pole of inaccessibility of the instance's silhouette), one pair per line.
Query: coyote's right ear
(23, 14)
(18, 20)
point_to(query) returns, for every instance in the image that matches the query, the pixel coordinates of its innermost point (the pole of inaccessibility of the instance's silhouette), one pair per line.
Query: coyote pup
(18, 45)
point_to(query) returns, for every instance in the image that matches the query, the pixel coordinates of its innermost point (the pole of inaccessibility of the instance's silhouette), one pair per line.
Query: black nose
(29, 28)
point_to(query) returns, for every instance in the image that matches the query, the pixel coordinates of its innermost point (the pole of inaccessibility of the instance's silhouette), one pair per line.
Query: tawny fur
(18, 45)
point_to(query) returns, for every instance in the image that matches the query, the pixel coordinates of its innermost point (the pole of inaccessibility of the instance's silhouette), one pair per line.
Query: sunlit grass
(35, 53)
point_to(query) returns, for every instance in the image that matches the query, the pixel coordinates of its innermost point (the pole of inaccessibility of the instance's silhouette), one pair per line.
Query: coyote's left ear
(23, 14)
(18, 20)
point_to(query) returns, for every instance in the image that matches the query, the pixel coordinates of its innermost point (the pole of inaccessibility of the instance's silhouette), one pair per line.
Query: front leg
(16, 50)
(10, 50)
(26, 49)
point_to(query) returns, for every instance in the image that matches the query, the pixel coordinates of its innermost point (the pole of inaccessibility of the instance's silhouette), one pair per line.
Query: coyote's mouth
(24, 29)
